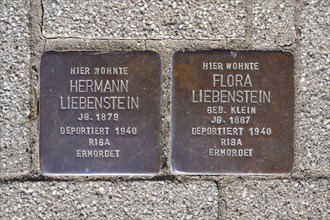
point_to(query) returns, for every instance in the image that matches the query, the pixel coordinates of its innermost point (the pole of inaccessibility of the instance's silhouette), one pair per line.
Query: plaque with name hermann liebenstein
(232, 112)
(100, 113)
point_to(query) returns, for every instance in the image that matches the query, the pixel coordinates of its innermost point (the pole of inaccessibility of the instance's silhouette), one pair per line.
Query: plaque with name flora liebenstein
(232, 112)
(100, 113)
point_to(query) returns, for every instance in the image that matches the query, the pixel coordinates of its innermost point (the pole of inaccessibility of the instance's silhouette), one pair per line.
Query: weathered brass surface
(100, 113)
(232, 112)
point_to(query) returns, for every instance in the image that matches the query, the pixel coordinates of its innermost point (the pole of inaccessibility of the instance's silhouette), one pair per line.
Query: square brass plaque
(232, 112)
(100, 113)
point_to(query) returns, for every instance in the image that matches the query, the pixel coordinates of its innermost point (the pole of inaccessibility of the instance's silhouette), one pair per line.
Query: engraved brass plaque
(232, 112)
(100, 113)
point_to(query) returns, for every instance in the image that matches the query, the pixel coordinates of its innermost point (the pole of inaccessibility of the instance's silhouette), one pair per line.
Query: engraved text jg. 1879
(100, 113)
(232, 112)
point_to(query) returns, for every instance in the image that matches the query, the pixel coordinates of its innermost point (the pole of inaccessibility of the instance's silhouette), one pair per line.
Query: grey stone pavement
(106, 200)
(28, 28)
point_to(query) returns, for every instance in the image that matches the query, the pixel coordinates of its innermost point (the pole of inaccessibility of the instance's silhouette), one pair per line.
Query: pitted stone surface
(14, 86)
(314, 117)
(105, 200)
(278, 199)
(316, 25)
(273, 23)
(144, 19)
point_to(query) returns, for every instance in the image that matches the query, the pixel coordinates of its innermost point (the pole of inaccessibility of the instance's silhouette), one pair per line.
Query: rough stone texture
(273, 23)
(144, 19)
(14, 86)
(278, 199)
(316, 25)
(106, 25)
(314, 117)
(315, 84)
(106, 200)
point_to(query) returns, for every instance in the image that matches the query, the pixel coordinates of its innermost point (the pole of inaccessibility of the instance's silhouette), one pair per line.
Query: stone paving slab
(144, 19)
(14, 87)
(106, 200)
(277, 199)
(315, 85)
(273, 23)
(315, 114)
(316, 25)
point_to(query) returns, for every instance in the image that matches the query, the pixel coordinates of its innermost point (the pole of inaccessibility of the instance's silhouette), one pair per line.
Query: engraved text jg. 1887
(232, 112)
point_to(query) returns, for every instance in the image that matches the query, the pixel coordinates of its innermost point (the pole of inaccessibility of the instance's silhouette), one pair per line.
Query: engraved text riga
(230, 88)
(110, 94)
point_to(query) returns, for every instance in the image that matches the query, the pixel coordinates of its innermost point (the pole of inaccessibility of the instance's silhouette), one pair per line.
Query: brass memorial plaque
(232, 112)
(100, 113)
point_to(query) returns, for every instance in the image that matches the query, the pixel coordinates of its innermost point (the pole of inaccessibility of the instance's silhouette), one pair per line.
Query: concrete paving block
(106, 200)
(273, 23)
(316, 25)
(314, 121)
(277, 199)
(144, 19)
(14, 87)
